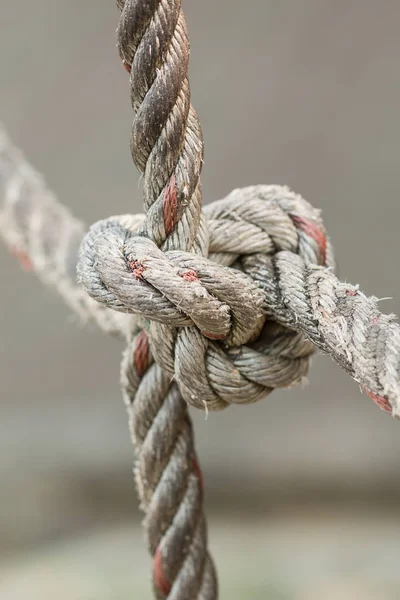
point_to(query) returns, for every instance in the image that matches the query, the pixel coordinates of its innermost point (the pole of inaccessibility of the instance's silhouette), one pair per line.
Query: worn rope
(45, 237)
(278, 240)
(167, 147)
(229, 302)
(40, 232)
(224, 327)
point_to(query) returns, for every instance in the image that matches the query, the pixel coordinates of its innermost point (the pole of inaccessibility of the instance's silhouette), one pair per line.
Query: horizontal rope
(275, 240)
(45, 236)
(30, 213)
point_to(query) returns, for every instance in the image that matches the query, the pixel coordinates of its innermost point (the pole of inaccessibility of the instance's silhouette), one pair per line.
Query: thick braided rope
(167, 147)
(44, 235)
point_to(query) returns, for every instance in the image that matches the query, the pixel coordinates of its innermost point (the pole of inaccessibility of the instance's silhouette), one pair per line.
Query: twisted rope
(44, 236)
(228, 328)
(224, 328)
(167, 147)
(276, 240)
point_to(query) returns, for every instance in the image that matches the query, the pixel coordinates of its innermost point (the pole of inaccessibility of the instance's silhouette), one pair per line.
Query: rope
(45, 237)
(227, 329)
(229, 301)
(279, 242)
(167, 147)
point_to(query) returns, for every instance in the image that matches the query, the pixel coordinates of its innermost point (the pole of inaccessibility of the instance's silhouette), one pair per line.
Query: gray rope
(225, 328)
(278, 240)
(44, 235)
(228, 328)
(178, 288)
(224, 332)
(167, 147)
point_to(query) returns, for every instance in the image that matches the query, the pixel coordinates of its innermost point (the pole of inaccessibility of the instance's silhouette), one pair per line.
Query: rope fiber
(218, 306)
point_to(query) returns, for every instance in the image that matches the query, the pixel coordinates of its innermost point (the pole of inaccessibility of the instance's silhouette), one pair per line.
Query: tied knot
(218, 325)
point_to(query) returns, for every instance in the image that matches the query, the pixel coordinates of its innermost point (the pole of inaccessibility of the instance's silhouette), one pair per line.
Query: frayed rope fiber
(219, 305)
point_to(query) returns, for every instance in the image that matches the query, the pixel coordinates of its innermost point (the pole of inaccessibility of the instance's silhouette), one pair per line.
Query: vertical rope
(167, 147)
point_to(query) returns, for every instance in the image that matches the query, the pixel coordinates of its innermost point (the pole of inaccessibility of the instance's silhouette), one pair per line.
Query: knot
(214, 323)
(174, 288)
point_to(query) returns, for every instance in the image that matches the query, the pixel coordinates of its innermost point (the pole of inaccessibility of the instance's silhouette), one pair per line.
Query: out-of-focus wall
(299, 93)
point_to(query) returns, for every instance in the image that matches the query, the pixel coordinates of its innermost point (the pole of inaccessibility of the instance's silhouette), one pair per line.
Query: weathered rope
(44, 235)
(225, 328)
(228, 328)
(167, 147)
(41, 233)
(278, 240)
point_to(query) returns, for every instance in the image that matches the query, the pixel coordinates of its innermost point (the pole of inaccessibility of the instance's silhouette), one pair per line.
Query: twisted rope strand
(166, 140)
(168, 477)
(167, 147)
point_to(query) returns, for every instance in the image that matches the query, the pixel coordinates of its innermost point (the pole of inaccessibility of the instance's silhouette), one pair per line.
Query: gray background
(298, 92)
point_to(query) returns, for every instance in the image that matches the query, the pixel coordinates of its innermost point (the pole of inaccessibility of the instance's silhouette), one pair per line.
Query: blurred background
(303, 489)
